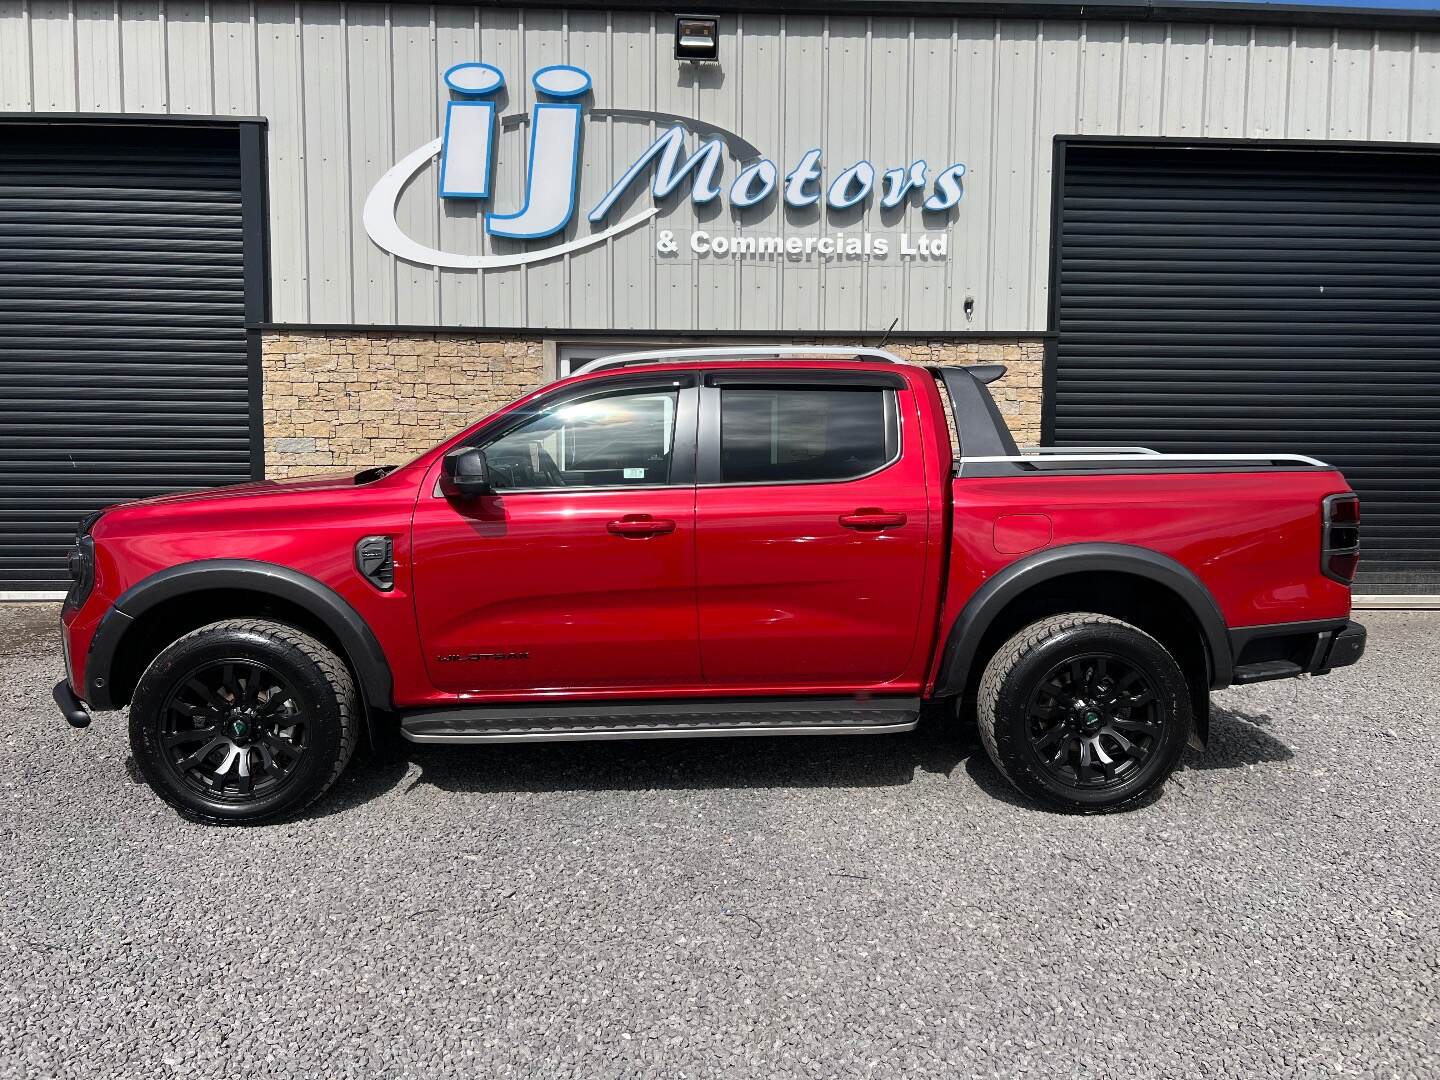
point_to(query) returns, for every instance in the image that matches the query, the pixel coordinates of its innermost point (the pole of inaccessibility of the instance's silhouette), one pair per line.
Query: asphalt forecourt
(746, 908)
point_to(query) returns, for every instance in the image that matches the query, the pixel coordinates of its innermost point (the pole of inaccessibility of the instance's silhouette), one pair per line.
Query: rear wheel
(1084, 712)
(243, 721)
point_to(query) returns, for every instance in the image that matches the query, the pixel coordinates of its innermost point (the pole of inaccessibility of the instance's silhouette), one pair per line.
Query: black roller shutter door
(1239, 300)
(123, 360)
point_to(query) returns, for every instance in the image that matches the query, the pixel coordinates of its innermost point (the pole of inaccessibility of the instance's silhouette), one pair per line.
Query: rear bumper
(1346, 647)
(1285, 650)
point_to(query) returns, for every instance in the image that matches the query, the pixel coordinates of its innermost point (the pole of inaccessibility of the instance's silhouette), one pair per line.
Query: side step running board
(1264, 670)
(662, 720)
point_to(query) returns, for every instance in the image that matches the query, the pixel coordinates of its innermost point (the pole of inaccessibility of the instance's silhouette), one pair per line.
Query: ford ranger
(756, 540)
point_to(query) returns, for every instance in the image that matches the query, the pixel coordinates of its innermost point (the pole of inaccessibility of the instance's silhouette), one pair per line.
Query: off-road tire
(1017, 671)
(323, 690)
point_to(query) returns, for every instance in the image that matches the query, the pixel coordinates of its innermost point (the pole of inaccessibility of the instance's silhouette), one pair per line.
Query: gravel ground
(766, 908)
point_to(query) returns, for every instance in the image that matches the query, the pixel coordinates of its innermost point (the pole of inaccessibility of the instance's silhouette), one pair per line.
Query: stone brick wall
(349, 400)
(346, 401)
(1017, 392)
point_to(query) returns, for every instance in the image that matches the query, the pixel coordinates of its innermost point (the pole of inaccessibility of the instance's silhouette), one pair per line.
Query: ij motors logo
(546, 205)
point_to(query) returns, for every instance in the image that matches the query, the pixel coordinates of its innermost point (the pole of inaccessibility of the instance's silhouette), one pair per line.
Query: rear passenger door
(811, 525)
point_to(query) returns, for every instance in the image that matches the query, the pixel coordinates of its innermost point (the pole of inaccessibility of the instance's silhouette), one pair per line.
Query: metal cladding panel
(350, 88)
(123, 368)
(1262, 301)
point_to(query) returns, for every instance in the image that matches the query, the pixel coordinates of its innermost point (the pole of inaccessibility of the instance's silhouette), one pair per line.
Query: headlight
(81, 564)
(88, 522)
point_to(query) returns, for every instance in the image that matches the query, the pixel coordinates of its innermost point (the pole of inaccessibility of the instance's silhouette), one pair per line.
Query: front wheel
(1083, 712)
(243, 721)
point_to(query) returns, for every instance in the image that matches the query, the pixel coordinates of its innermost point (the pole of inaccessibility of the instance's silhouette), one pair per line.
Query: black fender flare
(366, 657)
(962, 643)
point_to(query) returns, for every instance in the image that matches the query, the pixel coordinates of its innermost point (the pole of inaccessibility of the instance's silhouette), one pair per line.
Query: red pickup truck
(744, 541)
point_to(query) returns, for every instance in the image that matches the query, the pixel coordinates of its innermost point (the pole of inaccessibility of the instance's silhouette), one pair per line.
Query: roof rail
(741, 352)
(1088, 450)
(1149, 457)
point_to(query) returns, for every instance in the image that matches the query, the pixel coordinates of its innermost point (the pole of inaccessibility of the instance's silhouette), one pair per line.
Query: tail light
(1340, 537)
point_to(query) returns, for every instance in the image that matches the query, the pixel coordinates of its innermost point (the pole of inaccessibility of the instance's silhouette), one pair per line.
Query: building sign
(552, 179)
(841, 246)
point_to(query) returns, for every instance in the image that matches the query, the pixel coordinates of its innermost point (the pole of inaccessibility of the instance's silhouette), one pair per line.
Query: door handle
(872, 519)
(640, 525)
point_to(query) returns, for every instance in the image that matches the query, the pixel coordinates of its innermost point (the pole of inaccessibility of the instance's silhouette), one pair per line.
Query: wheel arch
(1132, 583)
(145, 618)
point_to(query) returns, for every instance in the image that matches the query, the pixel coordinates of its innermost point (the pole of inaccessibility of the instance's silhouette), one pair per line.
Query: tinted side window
(776, 435)
(624, 439)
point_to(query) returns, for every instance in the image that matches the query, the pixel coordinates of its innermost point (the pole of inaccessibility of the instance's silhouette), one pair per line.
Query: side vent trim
(375, 559)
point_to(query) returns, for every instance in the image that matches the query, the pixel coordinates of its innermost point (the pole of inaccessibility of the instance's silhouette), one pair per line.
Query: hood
(328, 482)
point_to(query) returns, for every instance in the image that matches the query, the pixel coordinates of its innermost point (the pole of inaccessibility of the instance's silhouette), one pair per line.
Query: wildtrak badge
(552, 176)
(455, 658)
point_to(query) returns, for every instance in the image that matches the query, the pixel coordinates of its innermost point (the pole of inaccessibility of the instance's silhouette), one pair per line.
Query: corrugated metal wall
(349, 88)
(1241, 301)
(123, 364)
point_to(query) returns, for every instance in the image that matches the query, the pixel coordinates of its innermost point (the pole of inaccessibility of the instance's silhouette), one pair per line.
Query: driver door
(577, 575)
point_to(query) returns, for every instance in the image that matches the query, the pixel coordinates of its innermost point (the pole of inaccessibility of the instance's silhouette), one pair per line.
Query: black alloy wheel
(244, 721)
(233, 730)
(1094, 720)
(1084, 712)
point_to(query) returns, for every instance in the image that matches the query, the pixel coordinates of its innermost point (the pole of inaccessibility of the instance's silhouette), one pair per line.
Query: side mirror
(465, 474)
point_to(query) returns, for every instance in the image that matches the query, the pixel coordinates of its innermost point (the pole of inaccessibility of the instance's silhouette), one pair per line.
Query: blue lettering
(900, 182)
(705, 163)
(551, 177)
(744, 191)
(852, 186)
(948, 189)
(469, 131)
(806, 172)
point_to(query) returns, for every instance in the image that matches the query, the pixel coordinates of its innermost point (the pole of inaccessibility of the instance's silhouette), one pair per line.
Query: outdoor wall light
(969, 308)
(697, 37)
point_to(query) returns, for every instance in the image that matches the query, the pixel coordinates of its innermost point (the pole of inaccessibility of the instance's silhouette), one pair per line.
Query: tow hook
(71, 707)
